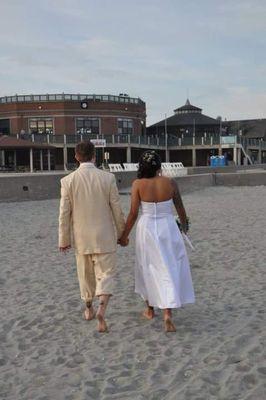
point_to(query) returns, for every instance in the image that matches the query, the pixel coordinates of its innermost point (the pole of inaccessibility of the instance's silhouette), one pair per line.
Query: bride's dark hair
(149, 164)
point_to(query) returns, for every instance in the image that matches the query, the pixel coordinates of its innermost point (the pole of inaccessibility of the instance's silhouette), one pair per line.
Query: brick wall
(65, 112)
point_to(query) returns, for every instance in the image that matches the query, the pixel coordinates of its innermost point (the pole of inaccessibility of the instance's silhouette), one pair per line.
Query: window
(125, 126)
(5, 126)
(41, 125)
(88, 125)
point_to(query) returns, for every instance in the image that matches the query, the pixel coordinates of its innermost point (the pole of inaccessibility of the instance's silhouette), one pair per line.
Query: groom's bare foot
(169, 325)
(104, 298)
(148, 313)
(89, 313)
(102, 327)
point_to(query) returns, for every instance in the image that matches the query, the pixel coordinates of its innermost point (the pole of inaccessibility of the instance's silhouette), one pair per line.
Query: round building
(68, 114)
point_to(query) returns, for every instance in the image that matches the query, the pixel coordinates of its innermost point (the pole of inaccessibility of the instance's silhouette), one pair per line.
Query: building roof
(9, 142)
(188, 119)
(187, 115)
(187, 108)
(250, 128)
(39, 98)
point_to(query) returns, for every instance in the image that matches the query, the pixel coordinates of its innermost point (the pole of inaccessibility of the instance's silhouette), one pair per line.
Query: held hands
(123, 241)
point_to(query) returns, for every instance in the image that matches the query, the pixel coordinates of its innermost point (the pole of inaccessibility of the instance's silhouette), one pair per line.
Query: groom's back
(95, 207)
(90, 185)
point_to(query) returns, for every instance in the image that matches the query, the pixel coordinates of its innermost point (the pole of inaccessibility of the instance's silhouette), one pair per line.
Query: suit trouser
(95, 274)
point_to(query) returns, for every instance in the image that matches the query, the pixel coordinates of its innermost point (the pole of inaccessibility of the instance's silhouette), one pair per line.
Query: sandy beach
(49, 352)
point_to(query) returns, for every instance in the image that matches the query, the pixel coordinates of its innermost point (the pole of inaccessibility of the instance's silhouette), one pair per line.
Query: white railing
(151, 141)
(171, 170)
(115, 168)
(130, 166)
(174, 169)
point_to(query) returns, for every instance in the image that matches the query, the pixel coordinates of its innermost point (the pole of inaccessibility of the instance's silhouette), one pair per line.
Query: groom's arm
(64, 218)
(134, 210)
(115, 205)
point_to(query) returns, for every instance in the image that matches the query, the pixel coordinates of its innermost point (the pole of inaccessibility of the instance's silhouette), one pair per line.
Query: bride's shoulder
(136, 182)
(165, 179)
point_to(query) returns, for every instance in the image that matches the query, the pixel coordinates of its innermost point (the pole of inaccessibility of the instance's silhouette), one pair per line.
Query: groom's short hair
(85, 150)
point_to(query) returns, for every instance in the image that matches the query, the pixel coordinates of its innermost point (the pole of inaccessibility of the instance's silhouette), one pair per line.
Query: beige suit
(90, 211)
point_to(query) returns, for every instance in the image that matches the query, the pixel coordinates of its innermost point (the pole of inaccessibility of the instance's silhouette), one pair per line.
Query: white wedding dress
(162, 272)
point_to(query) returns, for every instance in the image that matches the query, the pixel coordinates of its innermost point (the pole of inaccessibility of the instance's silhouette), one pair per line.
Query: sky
(163, 51)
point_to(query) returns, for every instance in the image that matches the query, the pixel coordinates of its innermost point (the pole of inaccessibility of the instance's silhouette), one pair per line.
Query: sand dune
(218, 352)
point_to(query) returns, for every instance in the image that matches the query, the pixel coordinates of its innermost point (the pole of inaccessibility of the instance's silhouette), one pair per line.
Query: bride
(162, 272)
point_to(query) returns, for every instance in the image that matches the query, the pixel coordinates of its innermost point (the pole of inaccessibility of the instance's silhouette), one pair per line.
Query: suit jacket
(90, 208)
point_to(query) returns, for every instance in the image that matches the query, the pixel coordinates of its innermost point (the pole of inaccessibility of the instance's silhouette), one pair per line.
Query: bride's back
(155, 190)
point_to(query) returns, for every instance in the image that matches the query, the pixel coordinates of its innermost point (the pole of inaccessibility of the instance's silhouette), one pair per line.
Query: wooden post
(128, 154)
(65, 154)
(194, 158)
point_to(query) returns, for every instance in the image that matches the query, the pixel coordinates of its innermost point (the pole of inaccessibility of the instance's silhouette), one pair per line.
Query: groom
(90, 210)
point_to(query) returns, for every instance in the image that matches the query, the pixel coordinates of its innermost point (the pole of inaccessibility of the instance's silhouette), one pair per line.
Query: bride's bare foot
(169, 325)
(148, 313)
(102, 327)
(89, 313)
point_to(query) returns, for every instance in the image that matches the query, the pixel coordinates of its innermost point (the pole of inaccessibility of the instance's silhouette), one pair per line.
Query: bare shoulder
(136, 183)
(174, 184)
(173, 181)
(135, 187)
(165, 179)
(168, 181)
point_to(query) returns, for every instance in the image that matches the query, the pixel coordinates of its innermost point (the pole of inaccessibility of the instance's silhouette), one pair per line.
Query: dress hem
(191, 301)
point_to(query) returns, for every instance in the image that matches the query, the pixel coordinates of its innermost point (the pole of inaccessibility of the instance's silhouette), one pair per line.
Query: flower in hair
(149, 158)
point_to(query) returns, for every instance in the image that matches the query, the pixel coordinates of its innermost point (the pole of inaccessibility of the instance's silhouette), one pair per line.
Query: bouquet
(180, 225)
(187, 240)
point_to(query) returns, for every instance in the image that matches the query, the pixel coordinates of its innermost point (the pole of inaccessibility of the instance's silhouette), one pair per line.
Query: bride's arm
(179, 206)
(133, 214)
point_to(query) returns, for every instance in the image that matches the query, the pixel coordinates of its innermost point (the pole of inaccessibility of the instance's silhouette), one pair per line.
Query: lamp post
(166, 139)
